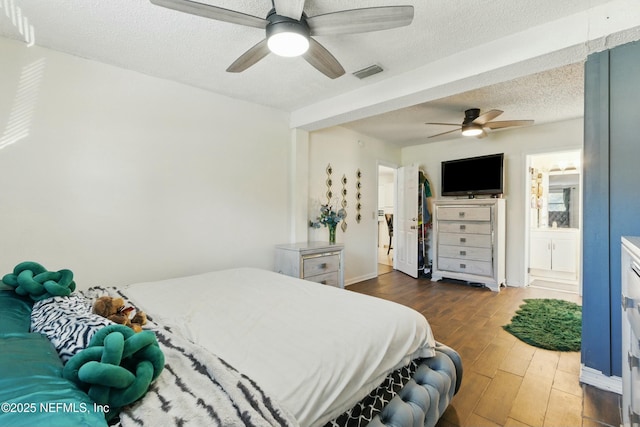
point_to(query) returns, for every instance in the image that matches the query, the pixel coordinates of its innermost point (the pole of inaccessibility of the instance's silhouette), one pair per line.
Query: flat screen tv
(473, 176)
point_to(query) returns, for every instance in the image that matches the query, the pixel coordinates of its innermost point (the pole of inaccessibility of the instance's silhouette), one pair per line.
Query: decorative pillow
(33, 280)
(117, 367)
(68, 322)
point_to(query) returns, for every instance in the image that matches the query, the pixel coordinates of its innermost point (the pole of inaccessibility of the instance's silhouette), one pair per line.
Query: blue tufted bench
(423, 400)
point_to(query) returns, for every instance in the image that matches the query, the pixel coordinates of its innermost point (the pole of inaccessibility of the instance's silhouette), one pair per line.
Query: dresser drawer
(461, 239)
(480, 268)
(330, 279)
(633, 365)
(631, 295)
(462, 252)
(464, 213)
(465, 227)
(315, 265)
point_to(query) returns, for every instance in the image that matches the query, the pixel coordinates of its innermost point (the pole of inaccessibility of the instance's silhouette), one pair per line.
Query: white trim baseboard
(599, 380)
(362, 278)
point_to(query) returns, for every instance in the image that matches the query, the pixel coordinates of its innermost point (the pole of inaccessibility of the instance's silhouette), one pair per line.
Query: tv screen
(473, 176)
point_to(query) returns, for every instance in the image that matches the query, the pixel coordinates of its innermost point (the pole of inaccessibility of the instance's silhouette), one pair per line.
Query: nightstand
(318, 262)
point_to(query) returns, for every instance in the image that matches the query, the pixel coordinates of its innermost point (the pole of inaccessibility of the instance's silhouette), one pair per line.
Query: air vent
(369, 71)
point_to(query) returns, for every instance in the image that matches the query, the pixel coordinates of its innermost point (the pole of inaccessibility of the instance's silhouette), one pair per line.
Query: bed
(253, 347)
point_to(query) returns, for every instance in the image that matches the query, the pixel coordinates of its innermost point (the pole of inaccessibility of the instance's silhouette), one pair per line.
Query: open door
(406, 245)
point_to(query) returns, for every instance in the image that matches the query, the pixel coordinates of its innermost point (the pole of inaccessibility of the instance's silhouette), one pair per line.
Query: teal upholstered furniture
(15, 312)
(32, 389)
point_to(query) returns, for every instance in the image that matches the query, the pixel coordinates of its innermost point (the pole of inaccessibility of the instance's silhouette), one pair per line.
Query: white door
(406, 244)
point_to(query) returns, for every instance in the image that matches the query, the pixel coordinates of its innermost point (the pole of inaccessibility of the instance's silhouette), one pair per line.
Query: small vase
(332, 234)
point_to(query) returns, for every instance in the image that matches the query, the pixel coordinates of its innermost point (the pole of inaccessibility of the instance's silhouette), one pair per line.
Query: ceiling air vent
(369, 71)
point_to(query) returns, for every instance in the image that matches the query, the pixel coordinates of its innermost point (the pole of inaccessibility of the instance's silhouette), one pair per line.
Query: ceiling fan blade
(508, 123)
(360, 20)
(486, 117)
(250, 57)
(291, 8)
(444, 124)
(212, 12)
(321, 59)
(482, 135)
(443, 133)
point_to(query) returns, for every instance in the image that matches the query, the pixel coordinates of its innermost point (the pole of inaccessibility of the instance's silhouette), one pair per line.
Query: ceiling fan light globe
(288, 44)
(472, 130)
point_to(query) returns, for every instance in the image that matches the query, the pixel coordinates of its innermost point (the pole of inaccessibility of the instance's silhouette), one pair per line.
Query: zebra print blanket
(196, 388)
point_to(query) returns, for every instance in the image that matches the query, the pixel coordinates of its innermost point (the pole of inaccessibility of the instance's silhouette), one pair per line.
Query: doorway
(555, 221)
(386, 210)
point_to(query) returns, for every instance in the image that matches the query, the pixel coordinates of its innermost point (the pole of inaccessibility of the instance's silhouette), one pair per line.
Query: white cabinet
(539, 252)
(469, 241)
(318, 262)
(553, 253)
(630, 275)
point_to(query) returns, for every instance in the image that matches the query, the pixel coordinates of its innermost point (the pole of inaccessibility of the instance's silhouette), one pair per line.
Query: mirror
(564, 200)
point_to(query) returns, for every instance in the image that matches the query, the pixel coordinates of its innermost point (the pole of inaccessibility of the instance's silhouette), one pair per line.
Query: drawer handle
(636, 268)
(629, 303)
(463, 265)
(461, 214)
(463, 253)
(323, 266)
(324, 282)
(463, 240)
(634, 361)
(463, 227)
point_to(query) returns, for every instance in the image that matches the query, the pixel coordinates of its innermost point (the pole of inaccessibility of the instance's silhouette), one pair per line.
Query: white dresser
(630, 331)
(469, 241)
(315, 261)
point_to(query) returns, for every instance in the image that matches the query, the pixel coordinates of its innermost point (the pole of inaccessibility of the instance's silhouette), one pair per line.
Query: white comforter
(317, 349)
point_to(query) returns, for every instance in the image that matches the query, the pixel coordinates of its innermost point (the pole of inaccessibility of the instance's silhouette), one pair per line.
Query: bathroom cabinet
(554, 253)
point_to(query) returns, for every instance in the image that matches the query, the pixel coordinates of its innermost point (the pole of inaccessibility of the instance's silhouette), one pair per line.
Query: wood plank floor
(506, 382)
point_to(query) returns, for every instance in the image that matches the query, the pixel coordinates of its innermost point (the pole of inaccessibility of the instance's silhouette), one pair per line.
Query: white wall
(348, 151)
(125, 177)
(516, 144)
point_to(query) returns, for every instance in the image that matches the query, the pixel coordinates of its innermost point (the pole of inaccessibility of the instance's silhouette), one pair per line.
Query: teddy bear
(114, 309)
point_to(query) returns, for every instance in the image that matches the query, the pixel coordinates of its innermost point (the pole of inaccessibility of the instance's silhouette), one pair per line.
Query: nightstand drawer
(464, 213)
(330, 279)
(315, 261)
(315, 265)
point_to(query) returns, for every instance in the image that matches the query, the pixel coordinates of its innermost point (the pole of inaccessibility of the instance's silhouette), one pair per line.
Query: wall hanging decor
(358, 196)
(329, 183)
(344, 203)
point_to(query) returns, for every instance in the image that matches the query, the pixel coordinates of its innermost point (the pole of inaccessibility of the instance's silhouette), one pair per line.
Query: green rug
(552, 324)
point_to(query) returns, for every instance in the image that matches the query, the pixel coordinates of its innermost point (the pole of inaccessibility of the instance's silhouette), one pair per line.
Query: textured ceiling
(136, 35)
(545, 97)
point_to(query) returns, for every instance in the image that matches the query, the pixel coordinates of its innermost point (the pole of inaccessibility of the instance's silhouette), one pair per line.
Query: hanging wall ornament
(358, 196)
(344, 203)
(329, 183)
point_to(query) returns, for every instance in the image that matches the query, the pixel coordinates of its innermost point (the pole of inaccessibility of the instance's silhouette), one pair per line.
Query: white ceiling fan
(289, 30)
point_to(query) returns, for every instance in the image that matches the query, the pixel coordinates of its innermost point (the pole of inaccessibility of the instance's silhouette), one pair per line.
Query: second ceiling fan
(475, 124)
(289, 29)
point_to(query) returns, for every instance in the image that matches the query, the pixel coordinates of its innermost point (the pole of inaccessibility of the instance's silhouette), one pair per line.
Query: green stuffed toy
(117, 367)
(32, 280)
